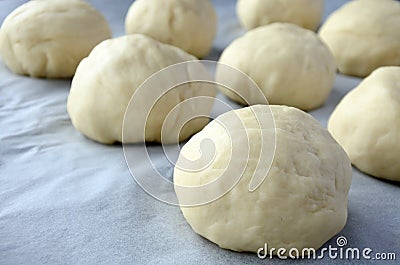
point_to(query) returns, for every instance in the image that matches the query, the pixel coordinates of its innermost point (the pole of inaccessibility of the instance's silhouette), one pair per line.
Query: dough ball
(367, 124)
(302, 202)
(291, 65)
(188, 24)
(106, 80)
(47, 38)
(305, 13)
(364, 35)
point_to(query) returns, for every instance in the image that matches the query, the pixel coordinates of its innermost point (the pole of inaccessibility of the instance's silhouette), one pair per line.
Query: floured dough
(364, 35)
(188, 24)
(47, 38)
(302, 202)
(291, 65)
(106, 80)
(367, 124)
(305, 13)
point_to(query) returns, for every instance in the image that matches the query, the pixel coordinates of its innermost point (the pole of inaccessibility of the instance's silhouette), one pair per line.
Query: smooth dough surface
(305, 13)
(301, 203)
(47, 38)
(367, 124)
(364, 35)
(106, 80)
(291, 65)
(188, 24)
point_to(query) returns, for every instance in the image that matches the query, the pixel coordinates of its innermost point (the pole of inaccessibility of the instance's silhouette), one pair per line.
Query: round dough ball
(188, 24)
(291, 65)
(367, 124)
(106, 80)
(302, 202)
(305, 13)
(364, 35)
(47, 38)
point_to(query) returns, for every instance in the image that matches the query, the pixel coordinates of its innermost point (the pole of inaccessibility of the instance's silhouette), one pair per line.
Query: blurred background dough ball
(106, 80)
(364, 35)
(188, 24)
(46, 38)
(367, 124)
(305, 13)
(302, 201)
(291, 65)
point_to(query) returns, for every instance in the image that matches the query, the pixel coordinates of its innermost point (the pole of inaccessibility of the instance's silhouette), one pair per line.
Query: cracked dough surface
(302, 202)
(305, 13)
(293, 67)
(364, 35)
(188, 24)
(46, 38)
(106, 80)
(366, 123)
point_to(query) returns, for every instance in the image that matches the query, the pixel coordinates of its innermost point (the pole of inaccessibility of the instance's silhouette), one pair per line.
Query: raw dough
(188, 24)
(106, 80)
(47, 38)
(301, 203)
(367, 124)
(364, 35)
(305, 13)
(291, 65)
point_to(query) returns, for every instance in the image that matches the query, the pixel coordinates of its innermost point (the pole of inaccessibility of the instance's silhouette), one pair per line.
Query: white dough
(367, 124)
(302, 202)
(106, 80)
(305, 13)
(47, 38)
(364, 35)
(188, 24)
(291, 65)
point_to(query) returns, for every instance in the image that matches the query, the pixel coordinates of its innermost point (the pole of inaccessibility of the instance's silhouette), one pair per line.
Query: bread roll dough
(47, 38)
(364, 35)
(188, 24)
(290, 64)
(305, 13)
(301, 203)
(366, 123)
(106, 80)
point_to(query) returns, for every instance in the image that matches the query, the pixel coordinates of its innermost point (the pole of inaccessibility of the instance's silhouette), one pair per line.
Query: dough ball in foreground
(364, 35)
(47, 38)
(188, 24)
(305, 13)
(106, 80)
(291, 65)
(367, 124)
(302, 201)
